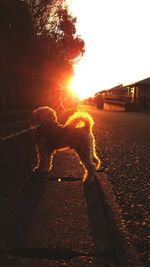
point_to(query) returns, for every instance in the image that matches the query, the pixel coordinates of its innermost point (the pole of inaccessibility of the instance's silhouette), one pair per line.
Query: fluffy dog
(76, 134)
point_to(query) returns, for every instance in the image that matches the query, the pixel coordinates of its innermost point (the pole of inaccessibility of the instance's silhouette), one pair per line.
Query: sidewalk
(58, 222)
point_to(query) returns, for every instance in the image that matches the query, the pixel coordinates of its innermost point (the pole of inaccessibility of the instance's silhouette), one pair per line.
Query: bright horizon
(117, 43)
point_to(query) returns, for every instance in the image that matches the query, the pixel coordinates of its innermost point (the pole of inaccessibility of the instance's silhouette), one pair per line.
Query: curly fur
(75, 134)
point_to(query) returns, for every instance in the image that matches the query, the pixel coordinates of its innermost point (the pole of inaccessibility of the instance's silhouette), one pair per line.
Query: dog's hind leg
(97, 161)
(90, 169)
(88, 165)
(95, 158)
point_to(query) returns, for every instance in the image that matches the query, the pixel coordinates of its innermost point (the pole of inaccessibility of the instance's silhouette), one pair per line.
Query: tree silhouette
(38, 45)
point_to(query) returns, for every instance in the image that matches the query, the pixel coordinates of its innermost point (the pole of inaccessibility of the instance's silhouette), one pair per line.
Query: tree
(38, 42)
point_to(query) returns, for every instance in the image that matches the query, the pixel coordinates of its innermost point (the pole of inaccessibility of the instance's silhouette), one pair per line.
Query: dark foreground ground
(58, 219)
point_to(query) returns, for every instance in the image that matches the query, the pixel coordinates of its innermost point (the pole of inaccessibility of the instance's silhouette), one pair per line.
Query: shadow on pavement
(99, 227)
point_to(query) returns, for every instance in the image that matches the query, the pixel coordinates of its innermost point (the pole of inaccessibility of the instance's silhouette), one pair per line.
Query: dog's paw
(36, 170)
(40, 170)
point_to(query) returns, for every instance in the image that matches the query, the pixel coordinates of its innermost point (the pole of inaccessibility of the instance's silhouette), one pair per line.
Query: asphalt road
(123, 143)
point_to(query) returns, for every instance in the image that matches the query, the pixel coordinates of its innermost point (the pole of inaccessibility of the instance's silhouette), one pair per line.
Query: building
(130, 97)
(139, 92)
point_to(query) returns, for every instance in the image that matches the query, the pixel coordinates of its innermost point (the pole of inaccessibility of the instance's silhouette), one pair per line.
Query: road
(27, 204)
(123, 143)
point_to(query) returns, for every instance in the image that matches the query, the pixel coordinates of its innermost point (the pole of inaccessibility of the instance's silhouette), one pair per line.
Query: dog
(76, 134)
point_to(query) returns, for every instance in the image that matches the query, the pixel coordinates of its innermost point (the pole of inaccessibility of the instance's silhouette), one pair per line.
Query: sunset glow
(116, 42)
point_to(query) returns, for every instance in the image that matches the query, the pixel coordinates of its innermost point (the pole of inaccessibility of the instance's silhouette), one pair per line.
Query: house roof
(144, 81)
(122, 87)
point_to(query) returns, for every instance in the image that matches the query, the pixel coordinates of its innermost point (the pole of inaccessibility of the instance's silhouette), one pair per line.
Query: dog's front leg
(44, 160)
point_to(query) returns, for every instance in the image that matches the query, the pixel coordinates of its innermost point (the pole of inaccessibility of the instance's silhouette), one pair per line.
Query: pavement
(56, 220)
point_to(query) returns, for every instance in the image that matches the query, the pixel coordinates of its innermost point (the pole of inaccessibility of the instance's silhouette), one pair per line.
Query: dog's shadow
(97, 221)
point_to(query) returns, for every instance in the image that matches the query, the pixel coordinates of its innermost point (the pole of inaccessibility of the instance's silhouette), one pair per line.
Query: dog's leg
(95, 158)
(88, 165)
(90, 160)
(97, 161)
(44, 160)
(90, 169)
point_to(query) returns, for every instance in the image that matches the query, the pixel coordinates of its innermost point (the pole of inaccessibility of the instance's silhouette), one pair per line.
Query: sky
(117, 43)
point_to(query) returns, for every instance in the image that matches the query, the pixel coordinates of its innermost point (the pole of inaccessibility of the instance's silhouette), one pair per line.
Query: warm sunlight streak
(116, 42)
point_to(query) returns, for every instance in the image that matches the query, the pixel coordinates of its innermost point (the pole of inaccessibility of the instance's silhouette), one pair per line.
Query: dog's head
(43, 116)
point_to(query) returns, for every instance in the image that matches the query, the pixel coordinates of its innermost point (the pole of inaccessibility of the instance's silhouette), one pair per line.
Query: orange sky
(117, 42)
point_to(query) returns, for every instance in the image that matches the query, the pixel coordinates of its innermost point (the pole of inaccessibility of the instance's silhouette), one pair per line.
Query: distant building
(135, 96)
(139, 92)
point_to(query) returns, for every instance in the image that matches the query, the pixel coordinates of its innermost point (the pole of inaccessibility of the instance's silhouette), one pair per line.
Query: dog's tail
(81, 119)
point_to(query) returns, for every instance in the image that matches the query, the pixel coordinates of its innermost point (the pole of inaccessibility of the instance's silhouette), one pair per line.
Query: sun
(81, 83)
(78, 87)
